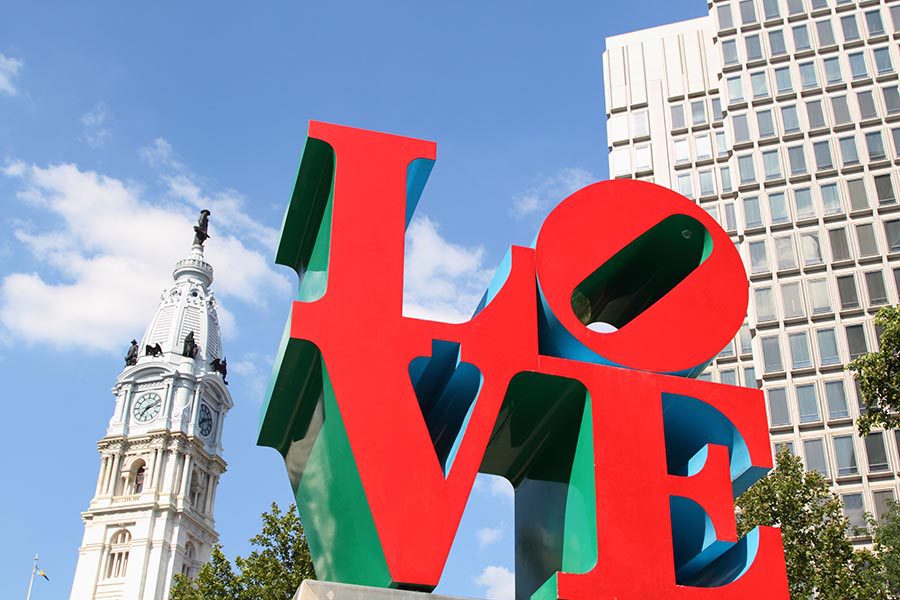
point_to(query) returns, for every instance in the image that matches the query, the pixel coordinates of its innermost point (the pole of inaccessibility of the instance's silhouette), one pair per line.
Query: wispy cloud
(96, 134)
(9, 71)
(500, 583)
(106, 254)
(550, 191)
(489, 535)
(443, 281)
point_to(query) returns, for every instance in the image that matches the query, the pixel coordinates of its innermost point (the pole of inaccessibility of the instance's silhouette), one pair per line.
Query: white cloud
(106, 256)
(159, 154)
(96, 133)
(499, 581)
(489, 535)
(442, 281)
(550, 191)
(500, 486)
(9, 70)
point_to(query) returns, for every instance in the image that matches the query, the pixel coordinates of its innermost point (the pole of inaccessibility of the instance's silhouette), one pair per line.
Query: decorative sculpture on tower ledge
(220, 367)
(153, 350)
(201, 228)
(132, 356)
(190, 348)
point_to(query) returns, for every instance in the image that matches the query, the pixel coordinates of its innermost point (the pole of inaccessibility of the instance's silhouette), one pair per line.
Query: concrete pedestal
(325, 590)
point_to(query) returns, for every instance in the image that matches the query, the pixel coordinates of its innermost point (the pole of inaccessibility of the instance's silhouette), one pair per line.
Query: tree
(821, 561)
(878, 375)
(273, 570)
(887, 545)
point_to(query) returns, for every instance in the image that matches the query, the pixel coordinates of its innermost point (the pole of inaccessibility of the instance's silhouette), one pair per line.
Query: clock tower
(161, 458)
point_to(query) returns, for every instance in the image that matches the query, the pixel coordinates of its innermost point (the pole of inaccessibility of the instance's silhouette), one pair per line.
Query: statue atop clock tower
(161, 458)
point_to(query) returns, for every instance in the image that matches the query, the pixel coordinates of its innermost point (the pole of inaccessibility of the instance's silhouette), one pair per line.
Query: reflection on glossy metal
(573, 380)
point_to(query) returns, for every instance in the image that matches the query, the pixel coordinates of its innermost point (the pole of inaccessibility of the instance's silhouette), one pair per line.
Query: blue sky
(118, 120)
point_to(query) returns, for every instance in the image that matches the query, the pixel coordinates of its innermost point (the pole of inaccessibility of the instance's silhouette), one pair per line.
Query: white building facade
(160, 460)
(782, 119)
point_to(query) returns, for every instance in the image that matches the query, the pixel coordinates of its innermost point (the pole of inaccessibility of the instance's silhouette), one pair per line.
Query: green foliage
(274, 569)
(878, 374)
(887, 545)
(821, 561)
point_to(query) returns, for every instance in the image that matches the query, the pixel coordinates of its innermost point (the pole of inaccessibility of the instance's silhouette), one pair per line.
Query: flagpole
(31, 582)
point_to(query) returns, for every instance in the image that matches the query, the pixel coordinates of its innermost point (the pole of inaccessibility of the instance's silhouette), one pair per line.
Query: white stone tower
(160, 460)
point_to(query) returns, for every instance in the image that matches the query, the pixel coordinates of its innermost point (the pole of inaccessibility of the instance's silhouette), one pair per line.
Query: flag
(42, 574)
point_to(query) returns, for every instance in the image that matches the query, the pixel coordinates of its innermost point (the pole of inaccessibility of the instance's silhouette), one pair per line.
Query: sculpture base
(326, 590)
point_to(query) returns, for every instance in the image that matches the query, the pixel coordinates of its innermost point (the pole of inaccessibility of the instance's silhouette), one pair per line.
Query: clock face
(147, 407)
(205, 421)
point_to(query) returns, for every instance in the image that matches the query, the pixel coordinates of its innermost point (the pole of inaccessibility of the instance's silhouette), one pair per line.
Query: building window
(784, 252)
(765, 307)
(117, 560)
(814, 450)
(883, 500)
(640, 124)
(770, 9)
(800, 356)
(876, 453)
(822, 152)
(748, 12)
(730, 220)
(895, 19)
(745, 169)
(740, 128)
(850, 28)
(735, 90)
(789, 119)
(685, 185)
(810, 248)
(876, 289)
(828, 350)
(797, 160)
(831, 199)
(776, 43)
(772, 166)
(778, 408)
(855, 513)
(840, 249)
(753, 46)
(892, 233)
(875, 146)
(759, 84)
(139, 474)
(795, 7)
(845, 455)
(792, 300)
(819, 297)
(744, 337)
(724, 13)
(849, 153)
(778, 208)
(815, 115)
(891, 100)
(707, 188)
(765, 123)
(859, 200)
(865, 235)
(721, 144)
(840, 110)
(856, 340)
(825, 33)
(682, 152)
(771, 354)
(750, 378)
(808, 77)
(874, 23)
(833, 70)
(698, 112)
(704, 147)
(804, 204)
(717, 109)
(883, 60)
(858, 69)
(847, 291)
(758, 260)
(728, 377)
(725, 176)
(677, 111)
(643, 158)
(837, 400)
(730, 53)
(801, 38)
(866, 103)
(884, 188)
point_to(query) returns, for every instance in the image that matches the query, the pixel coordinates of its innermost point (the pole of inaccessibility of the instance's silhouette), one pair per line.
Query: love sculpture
(573, 380)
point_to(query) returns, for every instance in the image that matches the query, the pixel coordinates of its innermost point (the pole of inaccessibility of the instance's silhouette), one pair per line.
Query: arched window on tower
(139, 479)
(188, 562)
(117, 562)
